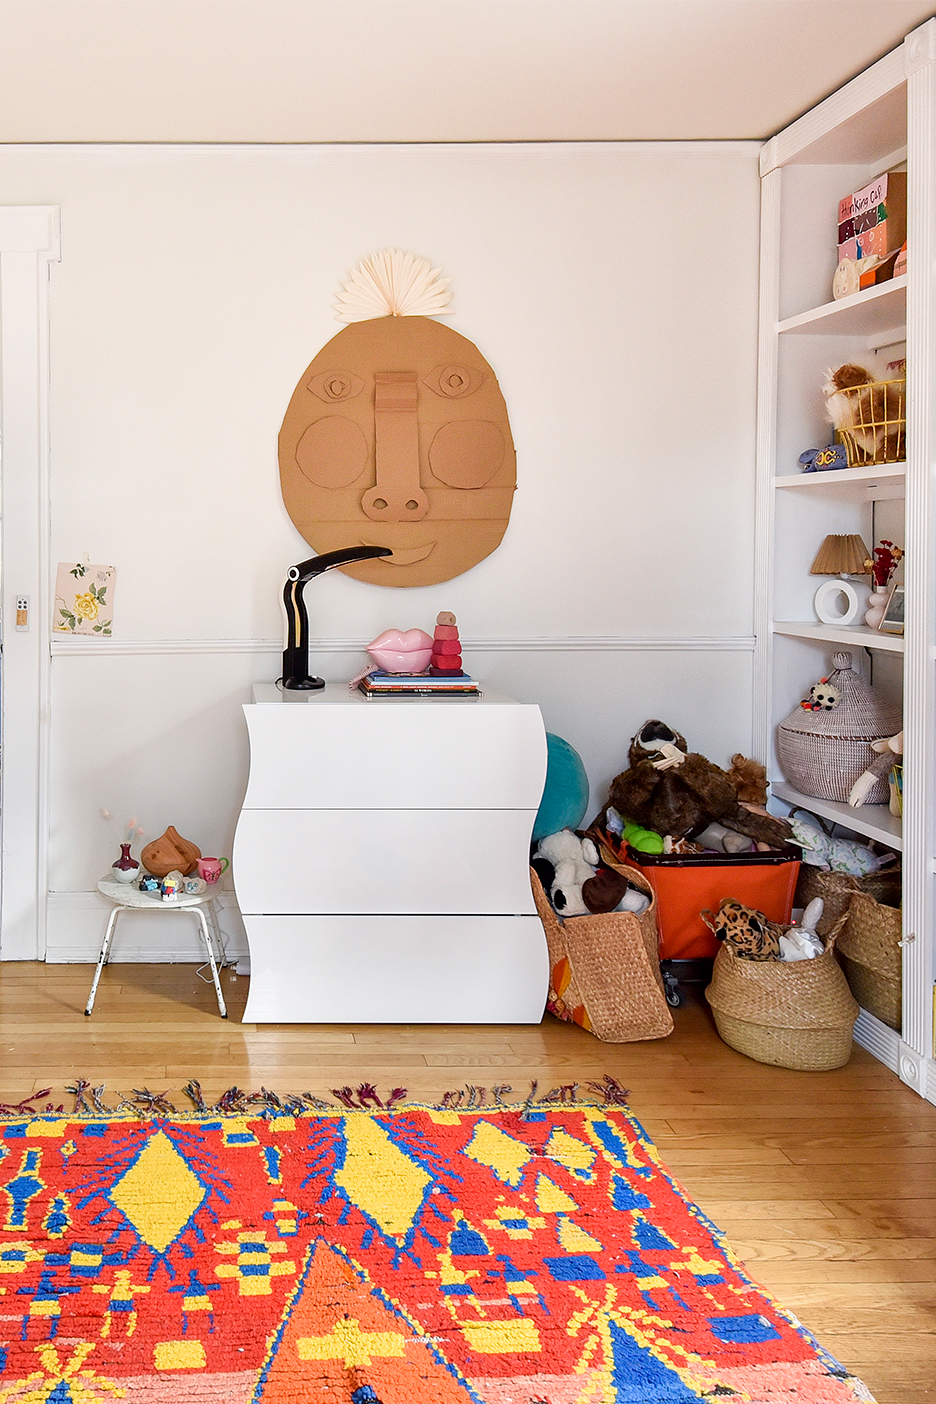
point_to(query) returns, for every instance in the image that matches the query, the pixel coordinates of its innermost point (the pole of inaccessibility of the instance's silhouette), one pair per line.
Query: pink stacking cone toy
(446, 658)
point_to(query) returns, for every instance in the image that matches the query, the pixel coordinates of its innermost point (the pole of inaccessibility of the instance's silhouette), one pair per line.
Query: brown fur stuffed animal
(749, 778)
(674, 791)
(867, 407)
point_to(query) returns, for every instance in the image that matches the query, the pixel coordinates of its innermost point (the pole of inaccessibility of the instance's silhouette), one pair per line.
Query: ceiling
(429, 70)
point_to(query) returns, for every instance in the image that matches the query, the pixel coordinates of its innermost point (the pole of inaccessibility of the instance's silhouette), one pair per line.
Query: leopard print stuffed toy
(748, 932)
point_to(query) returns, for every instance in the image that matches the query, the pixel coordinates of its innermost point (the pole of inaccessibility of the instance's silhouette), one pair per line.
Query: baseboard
(76, 922)
(889, 1048)
(879, 1039)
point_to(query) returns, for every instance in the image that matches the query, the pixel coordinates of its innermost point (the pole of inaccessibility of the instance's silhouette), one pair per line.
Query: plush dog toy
(571, 872)
(574, 860)
(672, 791)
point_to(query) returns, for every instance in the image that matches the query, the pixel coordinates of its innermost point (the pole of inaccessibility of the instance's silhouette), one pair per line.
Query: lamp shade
(842, 555)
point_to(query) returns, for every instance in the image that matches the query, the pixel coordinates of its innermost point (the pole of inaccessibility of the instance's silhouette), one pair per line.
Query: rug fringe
(142, 1102)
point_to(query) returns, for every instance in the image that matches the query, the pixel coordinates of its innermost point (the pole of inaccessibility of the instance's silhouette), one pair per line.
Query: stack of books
(383, 684)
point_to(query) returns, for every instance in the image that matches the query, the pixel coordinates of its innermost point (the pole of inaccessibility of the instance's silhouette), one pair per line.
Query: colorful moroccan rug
(362, 1252)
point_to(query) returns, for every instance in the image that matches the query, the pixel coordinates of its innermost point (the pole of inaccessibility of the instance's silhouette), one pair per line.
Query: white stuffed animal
(803, 942)
(575, 861)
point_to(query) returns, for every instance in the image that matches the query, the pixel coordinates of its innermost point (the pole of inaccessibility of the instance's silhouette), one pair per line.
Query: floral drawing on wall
(84, 599)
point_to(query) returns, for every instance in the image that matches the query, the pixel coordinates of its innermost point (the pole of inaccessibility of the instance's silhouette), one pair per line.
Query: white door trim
(29, 241)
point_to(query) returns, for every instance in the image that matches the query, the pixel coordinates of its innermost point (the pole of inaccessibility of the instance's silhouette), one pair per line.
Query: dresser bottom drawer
(396, 970)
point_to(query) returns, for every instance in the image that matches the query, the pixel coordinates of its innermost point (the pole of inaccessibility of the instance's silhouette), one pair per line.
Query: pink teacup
(211, 868)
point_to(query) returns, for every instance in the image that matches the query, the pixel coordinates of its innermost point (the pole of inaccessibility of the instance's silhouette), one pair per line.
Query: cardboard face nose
(397, 496)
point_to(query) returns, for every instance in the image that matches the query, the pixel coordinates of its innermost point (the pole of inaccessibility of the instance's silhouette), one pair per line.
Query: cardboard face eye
(332, 452)
(466, 453)
(334, 386)
(454, 382)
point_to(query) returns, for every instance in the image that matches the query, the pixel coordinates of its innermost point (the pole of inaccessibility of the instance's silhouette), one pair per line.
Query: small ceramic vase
(877, 605)
(126, 869)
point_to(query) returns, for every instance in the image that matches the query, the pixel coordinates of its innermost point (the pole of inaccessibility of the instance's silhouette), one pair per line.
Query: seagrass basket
(837, 890)
(791, 1014)
(869, 953)
(877, 415)
(604, 970)
(823, 753)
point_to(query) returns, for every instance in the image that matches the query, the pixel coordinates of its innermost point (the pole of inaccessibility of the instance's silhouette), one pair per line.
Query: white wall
(612, 288)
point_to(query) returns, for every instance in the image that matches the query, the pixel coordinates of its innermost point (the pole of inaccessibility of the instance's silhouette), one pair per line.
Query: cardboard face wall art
(397, 434)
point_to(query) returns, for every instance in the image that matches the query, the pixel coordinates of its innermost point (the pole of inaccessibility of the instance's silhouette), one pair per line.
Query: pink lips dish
(398, 652)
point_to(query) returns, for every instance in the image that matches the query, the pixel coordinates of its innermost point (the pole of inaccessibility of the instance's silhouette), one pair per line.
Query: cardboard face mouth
(404, 555)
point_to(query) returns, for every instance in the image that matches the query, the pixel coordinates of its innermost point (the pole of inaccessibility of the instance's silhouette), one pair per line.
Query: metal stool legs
(209, 942)
(209, 933)
(102, 958)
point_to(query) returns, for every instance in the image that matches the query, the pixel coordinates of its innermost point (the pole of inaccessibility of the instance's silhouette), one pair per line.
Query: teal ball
(565, 796)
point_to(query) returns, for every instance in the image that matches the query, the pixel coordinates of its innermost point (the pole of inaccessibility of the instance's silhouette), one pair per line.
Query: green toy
(643, 840)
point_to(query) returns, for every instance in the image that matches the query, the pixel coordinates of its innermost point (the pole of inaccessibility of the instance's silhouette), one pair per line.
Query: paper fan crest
(393, 283)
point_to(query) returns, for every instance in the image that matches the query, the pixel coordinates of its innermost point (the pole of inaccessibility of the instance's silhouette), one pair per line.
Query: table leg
(102, 958)
(206, 933)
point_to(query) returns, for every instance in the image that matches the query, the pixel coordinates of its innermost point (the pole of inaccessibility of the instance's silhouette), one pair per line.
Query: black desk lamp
(296, 653)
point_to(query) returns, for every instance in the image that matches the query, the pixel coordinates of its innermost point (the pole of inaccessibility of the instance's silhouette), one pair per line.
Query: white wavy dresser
(381, 859)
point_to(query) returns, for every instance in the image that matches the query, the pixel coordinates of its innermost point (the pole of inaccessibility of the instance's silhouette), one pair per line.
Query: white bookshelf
(883, 116)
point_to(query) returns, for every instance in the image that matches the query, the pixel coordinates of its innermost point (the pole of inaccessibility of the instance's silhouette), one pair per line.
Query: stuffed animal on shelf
(868, 408)
(674, 791)
(888, 749)
(748, 932)
(835, 854)
(823, 697)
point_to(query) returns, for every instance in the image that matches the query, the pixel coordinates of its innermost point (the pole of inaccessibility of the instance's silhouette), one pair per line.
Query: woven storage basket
(837, 889)
(604, 971)
(793, 1014)
(869, 952)
(823, 753)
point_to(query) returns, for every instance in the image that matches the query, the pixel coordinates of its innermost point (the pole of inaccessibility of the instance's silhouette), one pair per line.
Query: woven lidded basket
(823, 753)
(793, 1014)
(869, 952)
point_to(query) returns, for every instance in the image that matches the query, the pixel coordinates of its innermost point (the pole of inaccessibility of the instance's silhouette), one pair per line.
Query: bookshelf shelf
(867, 313)
(862, 637)
(873, 821)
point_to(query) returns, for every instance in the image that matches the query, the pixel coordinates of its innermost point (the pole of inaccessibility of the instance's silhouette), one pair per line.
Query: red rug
(268, 1252)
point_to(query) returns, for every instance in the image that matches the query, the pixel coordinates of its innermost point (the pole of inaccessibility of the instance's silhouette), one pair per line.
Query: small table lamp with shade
(839, 556)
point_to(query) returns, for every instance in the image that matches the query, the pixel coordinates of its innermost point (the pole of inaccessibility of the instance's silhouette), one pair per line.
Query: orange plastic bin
(686, 884)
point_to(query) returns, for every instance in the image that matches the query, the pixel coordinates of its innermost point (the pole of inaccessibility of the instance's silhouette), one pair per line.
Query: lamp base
(303, 684)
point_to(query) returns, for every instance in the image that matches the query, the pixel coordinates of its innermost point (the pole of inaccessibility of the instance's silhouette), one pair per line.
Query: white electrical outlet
(22, 614)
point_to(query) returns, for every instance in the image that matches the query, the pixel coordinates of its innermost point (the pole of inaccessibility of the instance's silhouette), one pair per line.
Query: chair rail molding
(29, 243)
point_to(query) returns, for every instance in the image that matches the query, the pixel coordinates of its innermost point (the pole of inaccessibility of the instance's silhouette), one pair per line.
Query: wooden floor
(824, 1182)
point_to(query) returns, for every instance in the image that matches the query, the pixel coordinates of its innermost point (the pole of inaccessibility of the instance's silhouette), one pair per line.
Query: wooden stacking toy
(446, 660)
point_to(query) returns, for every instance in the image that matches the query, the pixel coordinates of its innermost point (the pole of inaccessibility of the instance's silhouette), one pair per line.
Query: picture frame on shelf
(893, 620)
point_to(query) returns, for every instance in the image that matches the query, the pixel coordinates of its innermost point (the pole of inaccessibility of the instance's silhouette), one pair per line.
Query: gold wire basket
(877, 432)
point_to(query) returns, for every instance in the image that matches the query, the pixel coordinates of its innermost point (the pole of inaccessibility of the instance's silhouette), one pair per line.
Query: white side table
(125, 897)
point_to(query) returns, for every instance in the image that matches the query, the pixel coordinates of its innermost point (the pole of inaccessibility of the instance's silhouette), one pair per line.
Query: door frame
(29, 243)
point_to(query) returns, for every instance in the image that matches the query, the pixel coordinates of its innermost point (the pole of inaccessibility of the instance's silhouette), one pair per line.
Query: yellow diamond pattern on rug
(159, 1193)
(385, 1184)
